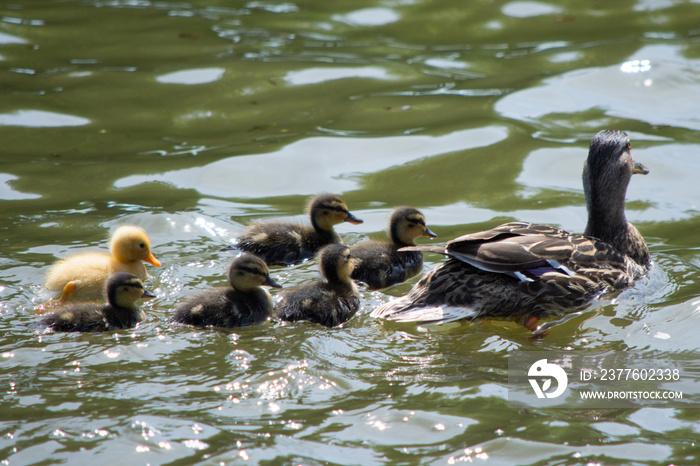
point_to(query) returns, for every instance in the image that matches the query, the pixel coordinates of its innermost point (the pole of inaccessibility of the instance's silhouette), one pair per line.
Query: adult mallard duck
(243, 302)
(123, 290)
(82, 277)
(527, 271)
(330, 302)
(379, 264)
(288, 243)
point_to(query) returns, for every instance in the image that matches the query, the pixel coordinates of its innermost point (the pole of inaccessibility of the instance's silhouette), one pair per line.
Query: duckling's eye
(338, 209)
(142, 245)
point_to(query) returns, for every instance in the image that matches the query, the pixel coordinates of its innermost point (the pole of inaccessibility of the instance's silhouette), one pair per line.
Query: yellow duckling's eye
(142, 245)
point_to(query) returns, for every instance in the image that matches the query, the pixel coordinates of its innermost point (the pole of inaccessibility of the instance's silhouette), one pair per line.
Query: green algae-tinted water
(194, 119)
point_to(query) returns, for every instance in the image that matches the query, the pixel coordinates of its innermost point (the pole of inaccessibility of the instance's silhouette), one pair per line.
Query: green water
(194, 119)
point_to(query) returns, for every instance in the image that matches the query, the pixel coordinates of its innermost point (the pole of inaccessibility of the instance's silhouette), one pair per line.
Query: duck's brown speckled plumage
(379, 263)
(123, 290)
(242, 303)
(528, 271)
(287, 243)
(330, 302)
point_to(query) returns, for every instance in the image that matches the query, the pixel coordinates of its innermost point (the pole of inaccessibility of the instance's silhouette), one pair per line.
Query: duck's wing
(522, 250)
(519, 256)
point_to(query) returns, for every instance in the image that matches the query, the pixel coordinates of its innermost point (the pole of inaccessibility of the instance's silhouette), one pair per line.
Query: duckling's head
(406, 224)
(248, 272)
(327, 210)
(336, 263)
(124, 289)
(131, 244)
(607, 173)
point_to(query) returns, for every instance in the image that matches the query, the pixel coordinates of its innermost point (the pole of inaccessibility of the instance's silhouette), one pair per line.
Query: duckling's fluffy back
(321, 303)
(92, 318)
(225, 307)
(89, 271)
(380, 265)
(284, 243)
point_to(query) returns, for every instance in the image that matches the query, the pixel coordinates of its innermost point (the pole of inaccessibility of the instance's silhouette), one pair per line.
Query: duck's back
(380, 265)
(320, 303)
(284, 243)
(224, 307)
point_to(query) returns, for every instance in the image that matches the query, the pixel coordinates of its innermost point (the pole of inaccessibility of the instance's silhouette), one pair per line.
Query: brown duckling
(330, 302)
(241, 303)
(380, 264)
(82, 277)
(528, 271)
(288, 243)
(123, 290)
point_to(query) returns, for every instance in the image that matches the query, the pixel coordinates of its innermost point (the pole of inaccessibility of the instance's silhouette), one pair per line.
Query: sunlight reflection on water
(41, 119)
(639, 88)
(268, 175)
(195, 76)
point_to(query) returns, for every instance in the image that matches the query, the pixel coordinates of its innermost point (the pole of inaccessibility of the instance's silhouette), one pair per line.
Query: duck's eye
(142, 245)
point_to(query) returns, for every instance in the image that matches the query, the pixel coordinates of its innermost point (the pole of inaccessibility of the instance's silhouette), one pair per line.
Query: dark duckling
(330, 302)
(244, 302)
(286, 243)
(380, 264)
(528, 271)
(123, 290)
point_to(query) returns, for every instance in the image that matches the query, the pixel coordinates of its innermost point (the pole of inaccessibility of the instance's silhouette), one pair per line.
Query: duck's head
(328, 210)
(336, 263)
(124, 289)
(248, 272)
(607, 173)
(131, 244)
(406, 224)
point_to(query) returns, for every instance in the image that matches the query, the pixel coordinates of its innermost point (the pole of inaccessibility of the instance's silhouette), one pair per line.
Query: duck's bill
(151, 259)
(429, 233)
(270, 282)
(352, 219)
(148, 294)
(640, 169)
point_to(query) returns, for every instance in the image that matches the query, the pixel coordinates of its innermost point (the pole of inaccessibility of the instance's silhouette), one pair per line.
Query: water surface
(193, 119)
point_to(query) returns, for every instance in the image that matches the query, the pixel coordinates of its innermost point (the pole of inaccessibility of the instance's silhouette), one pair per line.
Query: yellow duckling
(330, 302)
(380, 264)
(242, 303)
(288, 243)
(82, 277)
(123, 290)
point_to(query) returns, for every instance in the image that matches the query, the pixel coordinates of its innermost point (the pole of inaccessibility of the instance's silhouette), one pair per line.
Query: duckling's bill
(429, 233)
(352, 219)
(151, 259)
(270, 282)
(148, 294)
